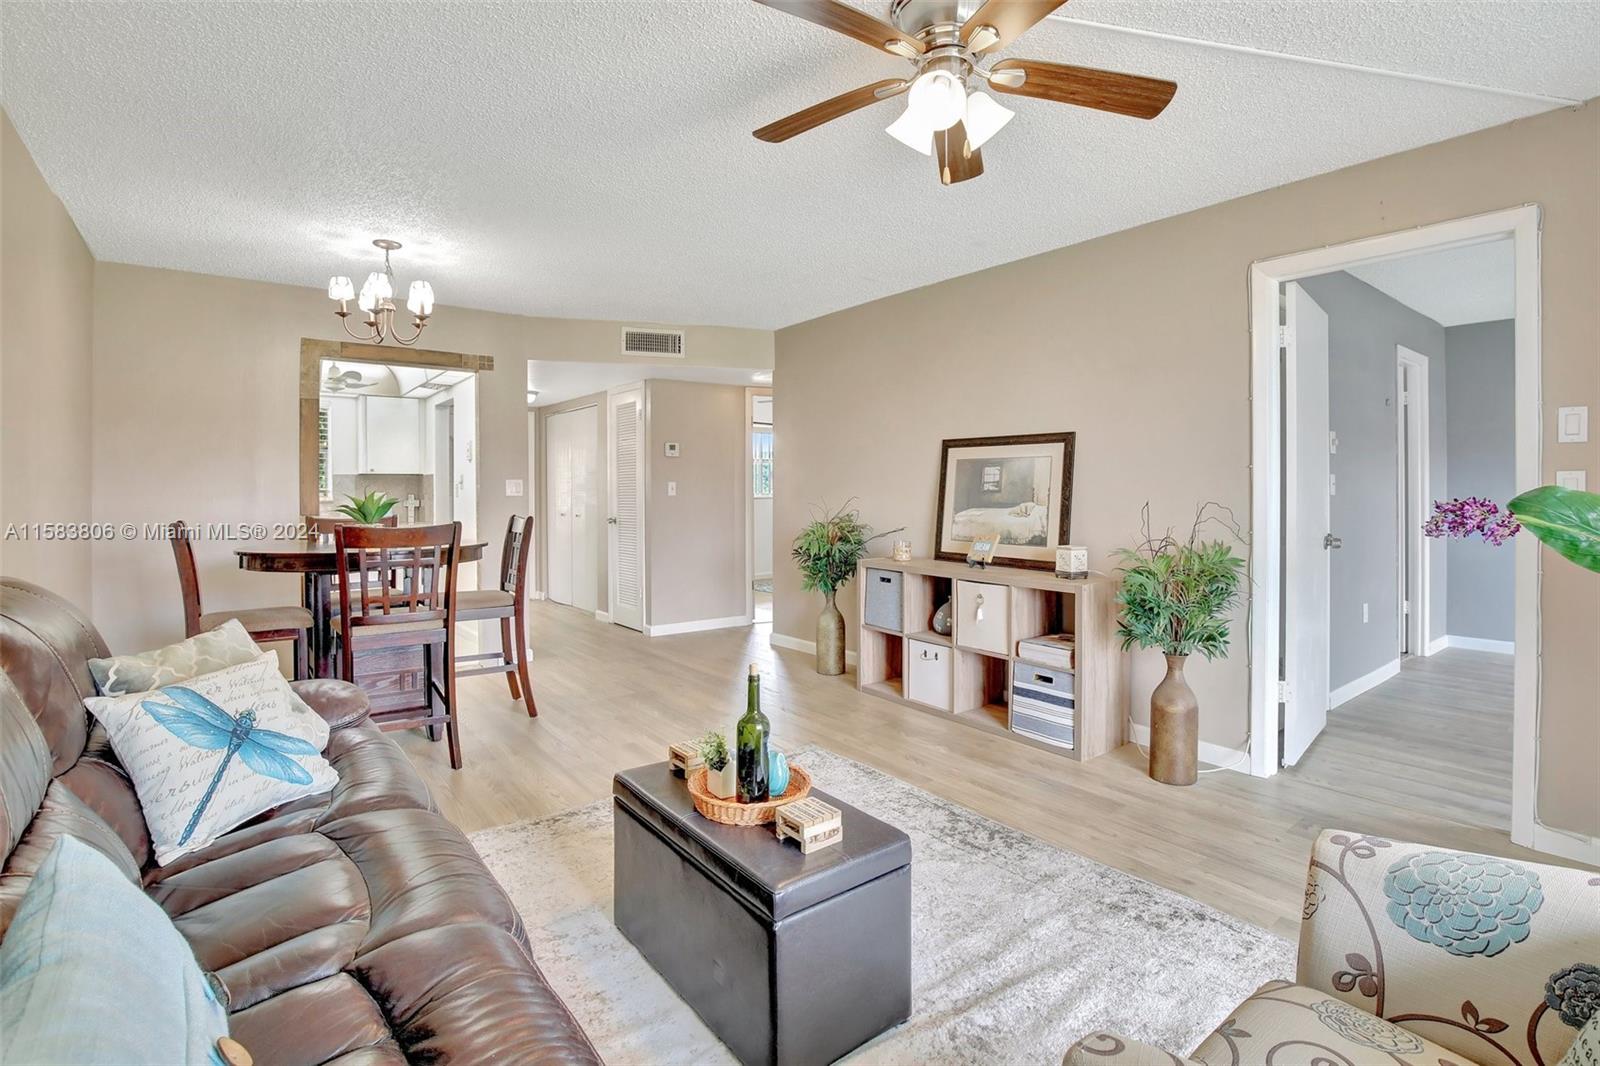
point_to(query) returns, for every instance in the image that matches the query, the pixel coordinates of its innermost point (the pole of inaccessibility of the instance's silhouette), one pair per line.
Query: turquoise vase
(777, 773)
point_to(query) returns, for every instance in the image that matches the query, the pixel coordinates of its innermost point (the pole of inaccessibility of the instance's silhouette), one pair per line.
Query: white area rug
(1018, 947)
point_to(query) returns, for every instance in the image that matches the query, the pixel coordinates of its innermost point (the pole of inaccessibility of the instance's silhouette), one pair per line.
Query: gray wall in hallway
(1364, 327)
(1482, 441)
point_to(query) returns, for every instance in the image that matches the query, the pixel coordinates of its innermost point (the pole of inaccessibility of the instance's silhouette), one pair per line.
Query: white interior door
(559, 429)
(1307, 522)
(585, 437)
(625, 542)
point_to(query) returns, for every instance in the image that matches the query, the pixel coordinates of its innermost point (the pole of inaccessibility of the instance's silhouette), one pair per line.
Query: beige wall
(1139, 342)
(46, 321)
(195, 383)
(695, 539)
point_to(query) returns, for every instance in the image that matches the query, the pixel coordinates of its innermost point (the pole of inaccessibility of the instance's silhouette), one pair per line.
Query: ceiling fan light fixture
(985, 118)
(939, 97)
(912, 130)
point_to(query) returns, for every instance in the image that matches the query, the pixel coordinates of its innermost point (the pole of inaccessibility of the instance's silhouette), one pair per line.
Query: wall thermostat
(672, 449)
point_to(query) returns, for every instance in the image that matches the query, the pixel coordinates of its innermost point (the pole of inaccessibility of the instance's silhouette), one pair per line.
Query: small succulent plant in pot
(368, 510)
(722, 777)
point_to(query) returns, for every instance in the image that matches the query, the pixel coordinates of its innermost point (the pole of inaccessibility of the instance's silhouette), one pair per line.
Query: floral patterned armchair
(1413, 955)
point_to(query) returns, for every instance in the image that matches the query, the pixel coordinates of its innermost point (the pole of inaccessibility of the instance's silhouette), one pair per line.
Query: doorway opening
(761, 503)
(1388, 373)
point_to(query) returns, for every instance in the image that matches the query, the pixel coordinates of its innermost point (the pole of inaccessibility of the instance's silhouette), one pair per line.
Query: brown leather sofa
(355, 927)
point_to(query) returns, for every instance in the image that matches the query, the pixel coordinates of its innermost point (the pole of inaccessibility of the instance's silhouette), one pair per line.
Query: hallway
(1434, 740)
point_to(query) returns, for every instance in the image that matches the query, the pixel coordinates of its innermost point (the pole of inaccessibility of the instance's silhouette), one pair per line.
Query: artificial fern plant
(1176, 595)
(828, 549)
(373, 507)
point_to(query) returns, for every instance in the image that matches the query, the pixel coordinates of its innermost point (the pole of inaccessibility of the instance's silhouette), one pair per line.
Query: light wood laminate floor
(610, 698)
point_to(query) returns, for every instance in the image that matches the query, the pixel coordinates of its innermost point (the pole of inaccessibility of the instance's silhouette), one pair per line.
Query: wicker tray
(732, 812)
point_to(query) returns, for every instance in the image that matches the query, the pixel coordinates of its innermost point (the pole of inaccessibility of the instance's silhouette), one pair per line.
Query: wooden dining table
(317, 562)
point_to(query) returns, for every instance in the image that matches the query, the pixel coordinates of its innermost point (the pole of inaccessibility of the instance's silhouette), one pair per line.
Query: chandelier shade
(376, 301)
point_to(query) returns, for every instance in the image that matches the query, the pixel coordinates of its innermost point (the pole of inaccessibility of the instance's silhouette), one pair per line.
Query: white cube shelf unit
(967, 675)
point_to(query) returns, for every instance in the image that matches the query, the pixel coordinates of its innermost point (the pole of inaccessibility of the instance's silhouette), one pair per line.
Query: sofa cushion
(227, 645)
(348, 1020)
(470, 993)
(215, 751)
(1455, 946)
(61, 814)
(1315, 1027)
(87, 944)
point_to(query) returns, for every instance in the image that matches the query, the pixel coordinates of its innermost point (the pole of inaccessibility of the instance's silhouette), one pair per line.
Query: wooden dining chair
(265, 625)
(508, 603)
(397, 593)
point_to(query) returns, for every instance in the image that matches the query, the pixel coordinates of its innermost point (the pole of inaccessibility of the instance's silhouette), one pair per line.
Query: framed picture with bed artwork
(1016, 490)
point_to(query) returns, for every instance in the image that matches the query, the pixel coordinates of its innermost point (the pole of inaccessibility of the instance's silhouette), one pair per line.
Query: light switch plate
(672, 449)
(672, 488)
(513, 486)
(1573, 479)
(1572, 425)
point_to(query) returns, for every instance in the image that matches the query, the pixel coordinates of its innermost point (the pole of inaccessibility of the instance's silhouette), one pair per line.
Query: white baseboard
(1498, 647)
(698, 625)
(1437, 645)
(602, 616)
(783, 640)
(1211, 754)
(536, 594)
(1567, 845)
(1350, 690)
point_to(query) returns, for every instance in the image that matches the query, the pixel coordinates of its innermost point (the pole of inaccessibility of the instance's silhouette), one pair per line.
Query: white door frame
(1413, 494)
(1267, 277)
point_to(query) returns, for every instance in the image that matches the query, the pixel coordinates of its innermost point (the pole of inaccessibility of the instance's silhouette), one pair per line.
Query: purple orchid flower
(1459, 519)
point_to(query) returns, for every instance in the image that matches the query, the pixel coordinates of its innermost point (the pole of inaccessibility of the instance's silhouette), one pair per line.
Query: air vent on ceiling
(663, 342)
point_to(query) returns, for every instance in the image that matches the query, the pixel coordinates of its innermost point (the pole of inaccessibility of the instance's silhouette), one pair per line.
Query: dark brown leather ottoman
(789, 958)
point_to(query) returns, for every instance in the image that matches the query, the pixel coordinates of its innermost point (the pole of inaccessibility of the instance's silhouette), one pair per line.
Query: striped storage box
(1042, 704)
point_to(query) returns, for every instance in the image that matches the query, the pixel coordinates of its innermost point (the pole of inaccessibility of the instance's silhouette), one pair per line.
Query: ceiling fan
(338, 381)
(947, 40)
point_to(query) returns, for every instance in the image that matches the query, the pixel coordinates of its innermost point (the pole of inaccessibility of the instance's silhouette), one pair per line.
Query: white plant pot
(724, 783)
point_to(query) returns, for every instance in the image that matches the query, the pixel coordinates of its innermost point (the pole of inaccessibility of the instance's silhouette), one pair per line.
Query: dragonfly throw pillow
(213, 752)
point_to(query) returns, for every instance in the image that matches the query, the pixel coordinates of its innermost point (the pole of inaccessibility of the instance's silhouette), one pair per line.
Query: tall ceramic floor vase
(1174, 728)
(830, 639)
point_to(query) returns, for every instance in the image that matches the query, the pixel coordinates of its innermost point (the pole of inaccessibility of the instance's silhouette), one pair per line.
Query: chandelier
(376, 301)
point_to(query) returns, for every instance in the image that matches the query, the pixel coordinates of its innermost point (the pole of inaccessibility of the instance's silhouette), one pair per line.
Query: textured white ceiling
(1455, 287)
(558, 381)
(594, 159)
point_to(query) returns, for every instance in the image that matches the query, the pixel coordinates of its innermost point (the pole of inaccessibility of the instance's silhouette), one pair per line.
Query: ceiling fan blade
(1103, 90)
(852, 22)
(828, 110)
(1008, 19)
(958, 160)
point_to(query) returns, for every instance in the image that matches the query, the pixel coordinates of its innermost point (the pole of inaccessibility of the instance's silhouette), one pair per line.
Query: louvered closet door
(626, 520)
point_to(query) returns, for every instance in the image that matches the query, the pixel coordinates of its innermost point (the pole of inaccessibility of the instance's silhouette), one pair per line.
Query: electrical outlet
(672, 488)
(513, 486)
(1577, 480)
(671, 449)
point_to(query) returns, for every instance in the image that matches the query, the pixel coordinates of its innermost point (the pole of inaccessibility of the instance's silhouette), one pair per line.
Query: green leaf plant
(368, 509)
(1177, 595)
(828, 549)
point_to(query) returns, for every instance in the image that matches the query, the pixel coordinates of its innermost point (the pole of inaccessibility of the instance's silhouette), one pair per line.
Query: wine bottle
(751, 737)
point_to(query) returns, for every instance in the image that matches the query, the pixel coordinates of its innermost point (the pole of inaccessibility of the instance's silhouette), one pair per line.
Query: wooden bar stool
(507, 603)
(401, 597)
(265, 625)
